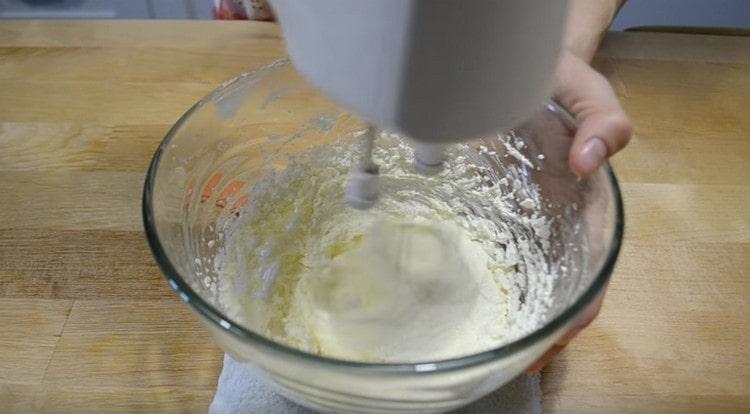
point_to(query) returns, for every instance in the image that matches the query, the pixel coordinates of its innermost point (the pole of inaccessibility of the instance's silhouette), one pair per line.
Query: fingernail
(592, 155)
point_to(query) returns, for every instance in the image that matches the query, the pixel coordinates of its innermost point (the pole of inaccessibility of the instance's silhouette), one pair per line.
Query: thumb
(603, 126)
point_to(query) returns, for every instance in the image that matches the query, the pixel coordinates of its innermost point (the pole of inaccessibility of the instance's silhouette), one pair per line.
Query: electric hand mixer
(436, 71)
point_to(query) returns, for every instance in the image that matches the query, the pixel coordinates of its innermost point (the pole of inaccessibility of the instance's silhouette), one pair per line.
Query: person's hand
(582, 322)
(603, 129)
(603, 126)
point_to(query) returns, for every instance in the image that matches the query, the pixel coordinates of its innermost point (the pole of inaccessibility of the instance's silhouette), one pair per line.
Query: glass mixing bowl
(203, 172)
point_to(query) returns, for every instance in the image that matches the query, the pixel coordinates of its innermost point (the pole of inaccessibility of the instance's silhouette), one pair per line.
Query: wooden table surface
(87, 323)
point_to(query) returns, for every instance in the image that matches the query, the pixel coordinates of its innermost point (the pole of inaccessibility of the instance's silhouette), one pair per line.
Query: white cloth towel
(241, 391)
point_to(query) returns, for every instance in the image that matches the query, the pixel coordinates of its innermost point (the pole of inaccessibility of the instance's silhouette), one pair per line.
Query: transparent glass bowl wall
(204, 169)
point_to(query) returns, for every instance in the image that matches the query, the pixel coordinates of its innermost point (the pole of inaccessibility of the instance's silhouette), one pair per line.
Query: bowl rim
(222, 322)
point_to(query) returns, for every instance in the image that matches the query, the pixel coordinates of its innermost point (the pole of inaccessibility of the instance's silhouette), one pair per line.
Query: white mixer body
(434, 70)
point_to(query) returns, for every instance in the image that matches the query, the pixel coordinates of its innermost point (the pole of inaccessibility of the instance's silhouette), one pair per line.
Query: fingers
(545, 359)
(603, 126)
(583, 321)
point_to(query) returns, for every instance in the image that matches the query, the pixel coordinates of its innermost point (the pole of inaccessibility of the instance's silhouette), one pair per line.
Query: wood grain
(124, 340)
(31, 331)
(89, 325)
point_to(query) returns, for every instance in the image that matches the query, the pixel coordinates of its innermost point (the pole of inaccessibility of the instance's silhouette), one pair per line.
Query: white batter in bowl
(430, 273)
